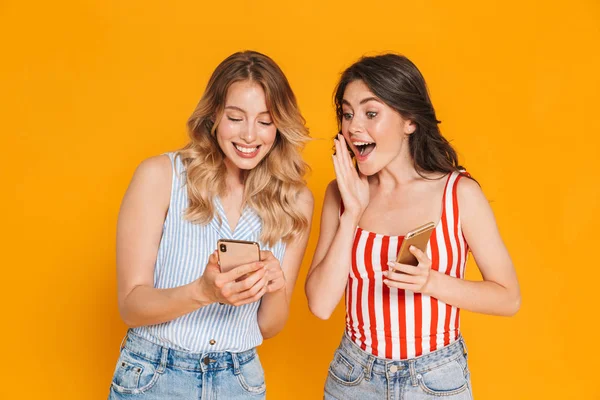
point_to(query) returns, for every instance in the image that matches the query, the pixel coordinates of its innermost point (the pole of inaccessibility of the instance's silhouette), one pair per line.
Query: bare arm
(275, 306)
(498, 293)
(139, 232)
(328, 273)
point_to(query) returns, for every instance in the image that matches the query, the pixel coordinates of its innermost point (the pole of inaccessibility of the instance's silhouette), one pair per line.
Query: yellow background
(91, 88)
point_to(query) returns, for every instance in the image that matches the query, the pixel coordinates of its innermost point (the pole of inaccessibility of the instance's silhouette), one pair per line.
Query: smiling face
(375, 132)
(246, 131)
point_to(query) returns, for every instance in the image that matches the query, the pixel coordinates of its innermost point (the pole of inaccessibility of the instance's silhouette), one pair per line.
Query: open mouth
(364, 148)
(245, 150)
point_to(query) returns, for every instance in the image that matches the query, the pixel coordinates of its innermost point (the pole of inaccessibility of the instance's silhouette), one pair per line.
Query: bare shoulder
(147, 198)
(333, 192)
(471, 199)
(306, 196)
(151, 182)
(155, 169)
(332, 201)
(469, 190)
(306, 201)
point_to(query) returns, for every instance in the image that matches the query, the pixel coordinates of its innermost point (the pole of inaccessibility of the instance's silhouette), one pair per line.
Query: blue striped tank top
(182, 256)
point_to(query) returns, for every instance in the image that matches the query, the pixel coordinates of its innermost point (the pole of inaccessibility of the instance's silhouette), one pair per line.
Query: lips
(366, 149)
(246, 151)
(363, 149)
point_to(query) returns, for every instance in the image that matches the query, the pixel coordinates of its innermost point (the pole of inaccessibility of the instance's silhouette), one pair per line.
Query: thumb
(213, 261)
(421, 257)
(211, 269)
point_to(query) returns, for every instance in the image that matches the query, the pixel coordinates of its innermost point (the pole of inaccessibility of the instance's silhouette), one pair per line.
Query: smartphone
(419, 238)
(233, 253)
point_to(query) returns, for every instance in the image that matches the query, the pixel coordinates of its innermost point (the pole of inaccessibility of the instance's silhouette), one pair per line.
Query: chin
(369, 168)
(246, 164)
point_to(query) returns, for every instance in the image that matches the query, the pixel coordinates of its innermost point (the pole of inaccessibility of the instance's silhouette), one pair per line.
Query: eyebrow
(242, 110)
(363, 101)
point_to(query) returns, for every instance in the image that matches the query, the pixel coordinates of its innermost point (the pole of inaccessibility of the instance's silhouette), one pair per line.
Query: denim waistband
(420, 364)
(208, 361)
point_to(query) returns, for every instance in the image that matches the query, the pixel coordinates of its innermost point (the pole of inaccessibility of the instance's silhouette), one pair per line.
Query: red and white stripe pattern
(398, 324)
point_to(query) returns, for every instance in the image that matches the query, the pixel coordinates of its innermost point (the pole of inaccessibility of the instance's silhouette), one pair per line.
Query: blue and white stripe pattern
(182, 256)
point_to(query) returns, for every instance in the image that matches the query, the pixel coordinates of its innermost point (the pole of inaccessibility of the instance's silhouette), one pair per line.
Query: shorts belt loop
(369, 367)
(464, 347)
(164, 358)
(236, 364)
(124, 340)
(413, 373)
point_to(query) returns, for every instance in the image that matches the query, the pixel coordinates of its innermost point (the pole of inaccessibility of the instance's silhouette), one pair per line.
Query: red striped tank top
(394, 323)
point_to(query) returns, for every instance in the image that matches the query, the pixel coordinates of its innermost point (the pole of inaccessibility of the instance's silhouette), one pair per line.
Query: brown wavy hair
(398, 83)
(273, 186)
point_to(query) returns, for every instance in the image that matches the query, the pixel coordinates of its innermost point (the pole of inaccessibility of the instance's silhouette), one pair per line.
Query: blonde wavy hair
(273, 186)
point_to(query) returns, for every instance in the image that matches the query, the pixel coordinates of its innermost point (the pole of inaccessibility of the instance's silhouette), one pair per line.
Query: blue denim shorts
(357, 375)
(148, 371)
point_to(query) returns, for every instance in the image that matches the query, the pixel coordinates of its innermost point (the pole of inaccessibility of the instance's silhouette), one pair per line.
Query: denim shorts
(357, 375)
(147, 371)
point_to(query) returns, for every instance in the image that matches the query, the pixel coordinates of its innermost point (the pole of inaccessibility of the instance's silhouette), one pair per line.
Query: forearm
(145, 305)
(327, 281)
(485, 297)
(273, 313)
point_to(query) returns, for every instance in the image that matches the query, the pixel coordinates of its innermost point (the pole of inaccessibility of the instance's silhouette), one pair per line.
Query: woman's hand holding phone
(226, 288)
(275, 275)
(417, 279)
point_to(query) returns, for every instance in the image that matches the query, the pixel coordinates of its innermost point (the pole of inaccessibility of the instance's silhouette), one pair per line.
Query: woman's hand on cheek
(353, 186)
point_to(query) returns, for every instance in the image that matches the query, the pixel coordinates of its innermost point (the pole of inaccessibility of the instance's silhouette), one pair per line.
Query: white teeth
(361, 143)
(246, 150)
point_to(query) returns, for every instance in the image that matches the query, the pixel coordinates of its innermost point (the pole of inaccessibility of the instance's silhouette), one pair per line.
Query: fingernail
(390, 263)
(412, 247)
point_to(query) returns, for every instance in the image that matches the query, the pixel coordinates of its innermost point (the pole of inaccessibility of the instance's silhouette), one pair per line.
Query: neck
(234, 180)
(399, 172)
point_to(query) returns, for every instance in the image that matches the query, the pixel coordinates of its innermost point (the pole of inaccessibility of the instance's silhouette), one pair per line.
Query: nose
(248, 134)
(355, 126)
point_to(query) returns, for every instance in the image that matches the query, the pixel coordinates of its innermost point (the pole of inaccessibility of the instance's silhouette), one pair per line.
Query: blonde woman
(193, 329)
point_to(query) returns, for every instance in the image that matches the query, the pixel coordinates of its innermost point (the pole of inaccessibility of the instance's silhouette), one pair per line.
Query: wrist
(350, 218)
(431, 287)
(278, 296)
(198, 294)
(281, 292)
